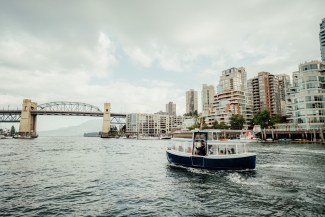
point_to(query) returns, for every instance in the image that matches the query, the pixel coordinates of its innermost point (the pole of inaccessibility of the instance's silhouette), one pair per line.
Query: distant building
(152, 124)
(187, 122)
(207, 96)
(306, 97)
(322, 39)
(161, 113)
(233, 79)
(264, 91)
(191, 101)
(171, 108)
(284, 84)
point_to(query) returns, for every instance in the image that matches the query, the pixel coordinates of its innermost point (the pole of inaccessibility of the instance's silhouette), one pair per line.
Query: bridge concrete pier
(27, 120)
(106, 120)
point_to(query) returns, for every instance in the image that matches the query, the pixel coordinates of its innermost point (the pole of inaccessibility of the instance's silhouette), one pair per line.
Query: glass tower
(322, 39)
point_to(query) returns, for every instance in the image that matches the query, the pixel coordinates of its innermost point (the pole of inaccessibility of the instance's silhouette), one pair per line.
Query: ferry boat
(217, 154)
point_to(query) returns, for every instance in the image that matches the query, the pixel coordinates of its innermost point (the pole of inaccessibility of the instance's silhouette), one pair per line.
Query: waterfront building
(322, 39)
(175, 122)
(231, 98)
(306, 97)
(152, 124)
(265, 92)
(171, 108)
(191, 101)
(188, 121)
(207, 96)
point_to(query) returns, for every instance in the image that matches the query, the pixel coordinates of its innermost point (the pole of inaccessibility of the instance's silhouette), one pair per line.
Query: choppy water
(68, 176)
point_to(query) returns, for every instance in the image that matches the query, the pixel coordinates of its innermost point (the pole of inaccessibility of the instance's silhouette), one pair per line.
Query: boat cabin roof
(206, 131)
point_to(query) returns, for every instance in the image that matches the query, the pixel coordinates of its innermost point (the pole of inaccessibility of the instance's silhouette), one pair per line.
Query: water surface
(117, 177)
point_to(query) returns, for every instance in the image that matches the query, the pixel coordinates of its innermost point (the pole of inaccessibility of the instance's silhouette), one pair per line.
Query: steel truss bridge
(62, 109)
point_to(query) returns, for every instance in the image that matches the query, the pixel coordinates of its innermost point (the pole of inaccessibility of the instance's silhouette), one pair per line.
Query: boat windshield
(213, 136)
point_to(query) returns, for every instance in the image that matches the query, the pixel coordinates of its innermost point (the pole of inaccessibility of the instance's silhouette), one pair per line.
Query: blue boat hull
(231, 163)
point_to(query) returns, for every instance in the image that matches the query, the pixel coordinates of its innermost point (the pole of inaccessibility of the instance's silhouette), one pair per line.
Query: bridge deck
(69, 113)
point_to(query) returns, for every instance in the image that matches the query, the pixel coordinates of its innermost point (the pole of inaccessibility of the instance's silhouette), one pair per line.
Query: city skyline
(139, 60)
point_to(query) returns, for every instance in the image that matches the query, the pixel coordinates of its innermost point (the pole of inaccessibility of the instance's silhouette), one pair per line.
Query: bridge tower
(106, 120)
(27, 120)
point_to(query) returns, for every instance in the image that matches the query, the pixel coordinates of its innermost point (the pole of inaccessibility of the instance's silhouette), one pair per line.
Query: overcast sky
(139, 55)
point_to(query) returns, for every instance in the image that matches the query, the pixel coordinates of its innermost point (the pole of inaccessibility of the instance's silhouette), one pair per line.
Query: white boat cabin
(212, 144)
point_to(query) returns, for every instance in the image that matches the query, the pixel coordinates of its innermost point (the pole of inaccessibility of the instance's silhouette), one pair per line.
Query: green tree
(203, 124)
(188, 114)
(195, 125)
(237, 122)
(13, 130)
(280, 119)
(263, 119)
(215, 125)
(223, 125)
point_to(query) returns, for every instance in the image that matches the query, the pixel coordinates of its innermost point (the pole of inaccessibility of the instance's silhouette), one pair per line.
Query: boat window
(226, 149)
(184, 146)
(212, 136)
(241, 149)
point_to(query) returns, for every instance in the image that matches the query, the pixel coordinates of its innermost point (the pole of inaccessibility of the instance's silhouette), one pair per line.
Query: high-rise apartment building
(171, 108)
(284, 84)
(207, 96)
(322, 39)
(306, 97)
(231, 98)
(232, 79)
(264, 90)
(191, 101)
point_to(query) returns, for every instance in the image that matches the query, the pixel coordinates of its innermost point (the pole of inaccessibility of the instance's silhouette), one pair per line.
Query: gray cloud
(51, 50)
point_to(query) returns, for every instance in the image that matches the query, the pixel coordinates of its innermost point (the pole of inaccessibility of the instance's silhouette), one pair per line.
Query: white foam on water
(238, 179)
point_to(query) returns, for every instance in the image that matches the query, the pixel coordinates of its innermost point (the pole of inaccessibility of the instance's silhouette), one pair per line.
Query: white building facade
(306, 97)
(152, 124)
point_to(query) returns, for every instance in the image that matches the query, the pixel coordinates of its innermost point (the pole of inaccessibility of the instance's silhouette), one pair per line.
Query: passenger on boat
(233, 151)
(201, 150)
(180, 148)
(221, 152)
(189, 150)
(229, 152)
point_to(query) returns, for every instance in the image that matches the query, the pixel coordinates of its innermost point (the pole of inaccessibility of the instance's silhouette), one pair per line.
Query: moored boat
(165, 137)
(217, 155)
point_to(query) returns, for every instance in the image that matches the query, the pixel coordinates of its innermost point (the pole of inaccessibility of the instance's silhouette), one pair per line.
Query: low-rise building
(152, 124)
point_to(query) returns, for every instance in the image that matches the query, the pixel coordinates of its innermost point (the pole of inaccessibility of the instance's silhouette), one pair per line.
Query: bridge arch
(65, 106)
